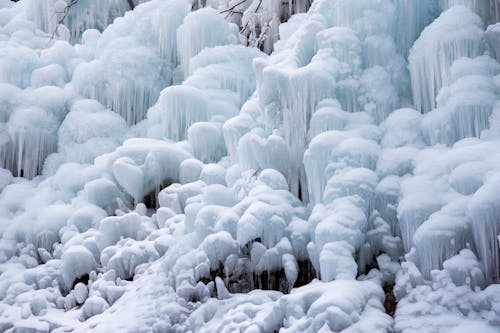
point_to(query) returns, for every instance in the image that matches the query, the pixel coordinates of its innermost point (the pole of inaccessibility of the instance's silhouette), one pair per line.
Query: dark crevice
(390, 302)
(83, 279)
(150, 200)
(246, 280)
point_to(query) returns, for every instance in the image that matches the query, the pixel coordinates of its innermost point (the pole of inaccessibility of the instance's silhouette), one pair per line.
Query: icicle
(32, 136)
(178, 108)
(456, 33)
(201, 29)
(493, 37)
(464, 107)
(412, 17)
(484, 212)
(133, 65)
(419, 201)
(442, 236)
(81, 15)
(487, 9)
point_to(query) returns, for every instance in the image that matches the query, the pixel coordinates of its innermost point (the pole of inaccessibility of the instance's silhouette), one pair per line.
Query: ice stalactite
(492, 37)
(77, 16)
(489, 10)
(43, 13)
(329, 152)
(442, 236)
(484, 212)
(456, 33)
(178, 108)
(411, 18)
(299, 103)
(29, 134)
(214, 92)
(298, 96)
(132, 91)
(202, 29)
(438, 204)
(27, 149)
(419, 201)
(465, 106)
(339, 165)
(88, 131)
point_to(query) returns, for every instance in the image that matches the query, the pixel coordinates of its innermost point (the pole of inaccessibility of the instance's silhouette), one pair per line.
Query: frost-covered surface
(161, 174)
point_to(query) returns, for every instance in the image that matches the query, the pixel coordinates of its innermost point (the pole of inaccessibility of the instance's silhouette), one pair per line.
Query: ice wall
(289, 192)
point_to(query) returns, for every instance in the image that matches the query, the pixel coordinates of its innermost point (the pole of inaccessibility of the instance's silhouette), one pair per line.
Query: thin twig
(66, 12)
(246, 25)
(231, 8)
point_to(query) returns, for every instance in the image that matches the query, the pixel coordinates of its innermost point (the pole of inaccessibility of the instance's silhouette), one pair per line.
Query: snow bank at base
(313, 308)
(449, 302)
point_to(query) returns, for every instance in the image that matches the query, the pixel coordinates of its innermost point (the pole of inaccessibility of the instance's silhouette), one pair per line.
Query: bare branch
(230, 9)
(246, 25)
(65, 14)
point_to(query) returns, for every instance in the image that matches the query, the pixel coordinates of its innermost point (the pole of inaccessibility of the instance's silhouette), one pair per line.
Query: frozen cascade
(456, 33)
(173, 159)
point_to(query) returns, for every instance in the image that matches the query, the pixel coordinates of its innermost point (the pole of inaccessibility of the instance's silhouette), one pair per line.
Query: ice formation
(249, 166)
